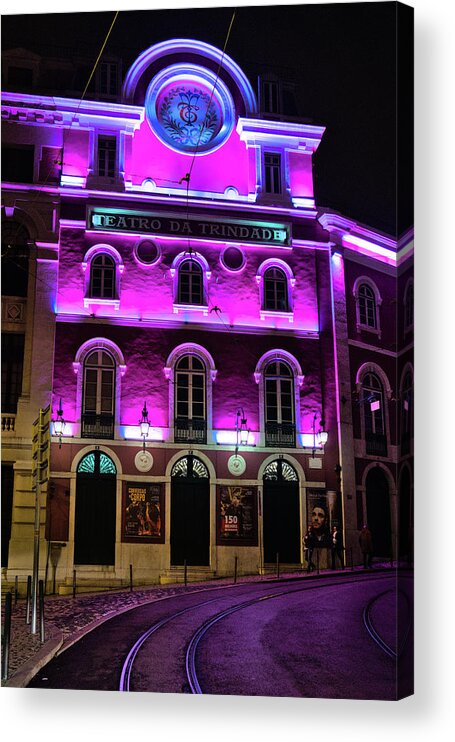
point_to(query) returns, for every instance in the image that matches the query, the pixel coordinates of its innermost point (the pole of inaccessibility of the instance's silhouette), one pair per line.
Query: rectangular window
(270, 97)
(18, 163)
(107, 150)
(12, 367)
(272, 172)
(108, 78)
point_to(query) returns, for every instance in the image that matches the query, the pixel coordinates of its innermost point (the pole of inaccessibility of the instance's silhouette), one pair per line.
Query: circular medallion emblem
(189, 109)
(143, 461)
(236, 465)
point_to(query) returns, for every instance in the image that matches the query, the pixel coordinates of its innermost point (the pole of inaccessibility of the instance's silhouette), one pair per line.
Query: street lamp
(319, 438)
(59, 424)
(144, 424)
(241, 429)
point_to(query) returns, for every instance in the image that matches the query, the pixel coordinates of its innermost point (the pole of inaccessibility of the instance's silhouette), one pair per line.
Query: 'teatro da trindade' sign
(231, 230)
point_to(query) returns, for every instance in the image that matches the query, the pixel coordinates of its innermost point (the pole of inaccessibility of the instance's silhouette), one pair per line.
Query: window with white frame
(98, 395)
(107, 155)
(102, 277)
(368, 300)
(190, 283)
(272, 172)
(279, 404)
(372, 401)
(190, 399)
(275, 290)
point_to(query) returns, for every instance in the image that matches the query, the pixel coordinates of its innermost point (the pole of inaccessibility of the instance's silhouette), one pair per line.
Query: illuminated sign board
(168, 224)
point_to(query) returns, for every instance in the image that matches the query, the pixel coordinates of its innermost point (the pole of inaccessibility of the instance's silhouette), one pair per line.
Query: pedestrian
(309, 544)
(337, 547)
(366, 546)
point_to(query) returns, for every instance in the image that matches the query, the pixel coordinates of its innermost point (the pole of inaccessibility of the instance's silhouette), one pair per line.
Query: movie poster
(143, 512)
(237, 515)
(319, 516)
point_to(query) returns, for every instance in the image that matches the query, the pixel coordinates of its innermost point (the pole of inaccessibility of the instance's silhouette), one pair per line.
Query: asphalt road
(308, 642)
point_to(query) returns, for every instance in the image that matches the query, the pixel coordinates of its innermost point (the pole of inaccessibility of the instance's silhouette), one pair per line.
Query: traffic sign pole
(40, 472)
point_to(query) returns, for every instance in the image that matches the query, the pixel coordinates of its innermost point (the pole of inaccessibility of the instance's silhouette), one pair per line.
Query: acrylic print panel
(219, 355)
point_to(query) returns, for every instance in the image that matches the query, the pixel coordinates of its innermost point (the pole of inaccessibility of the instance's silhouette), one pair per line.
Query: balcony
(190, 431)
(97, 426)
(8, 422)
(280, 435)
(376, 444)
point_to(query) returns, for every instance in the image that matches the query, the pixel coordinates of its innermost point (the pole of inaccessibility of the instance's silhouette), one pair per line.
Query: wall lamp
(241, 429)
(59, 424)
(320, 437)
(144, 424)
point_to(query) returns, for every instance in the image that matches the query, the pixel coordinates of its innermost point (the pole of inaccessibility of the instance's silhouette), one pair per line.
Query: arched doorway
(94, 526)
(378, 512)
(190, 512)
(405, 515)
(281, 513)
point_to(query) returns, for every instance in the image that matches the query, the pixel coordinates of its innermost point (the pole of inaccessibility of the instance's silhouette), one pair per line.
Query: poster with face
(143, 513)
(237, 515)
(319, 516)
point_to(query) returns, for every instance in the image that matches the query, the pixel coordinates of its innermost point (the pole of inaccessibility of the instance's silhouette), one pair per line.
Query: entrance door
(94, 528)
(281, 513)
(405, 515)
(190, 513)
(378, 512)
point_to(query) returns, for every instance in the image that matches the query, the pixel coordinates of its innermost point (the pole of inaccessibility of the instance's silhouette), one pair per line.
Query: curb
(28, 670)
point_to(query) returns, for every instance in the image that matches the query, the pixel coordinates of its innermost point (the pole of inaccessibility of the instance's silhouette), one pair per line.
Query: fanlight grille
(189, 467)
(280, 471)
(88, 465)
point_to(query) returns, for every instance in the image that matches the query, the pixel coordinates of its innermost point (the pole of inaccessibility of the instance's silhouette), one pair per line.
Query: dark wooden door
(378, 512)
(281, 519)
(190, 522)
(94, 530)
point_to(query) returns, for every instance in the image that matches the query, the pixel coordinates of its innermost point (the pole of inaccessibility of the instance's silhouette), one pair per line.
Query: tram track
(193, 682)
(371, 629)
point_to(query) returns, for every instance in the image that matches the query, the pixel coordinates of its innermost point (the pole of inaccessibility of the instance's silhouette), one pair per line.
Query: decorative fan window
(280, 470)
(96, 463)
(189, 467)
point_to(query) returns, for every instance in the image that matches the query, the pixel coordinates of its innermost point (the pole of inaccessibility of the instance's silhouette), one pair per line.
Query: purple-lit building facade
(229, 358)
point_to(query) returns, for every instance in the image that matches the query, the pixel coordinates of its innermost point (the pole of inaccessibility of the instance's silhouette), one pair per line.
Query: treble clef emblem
(188, 107)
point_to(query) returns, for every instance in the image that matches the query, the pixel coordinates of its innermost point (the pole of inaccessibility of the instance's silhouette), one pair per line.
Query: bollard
(74, 583)
(16, 591)
(185, 575)
(131, 578)
(278, 565)
(41, 610)
(317, 561)
(28, 600)
(235, 569)
(352, 560)
(6, 636)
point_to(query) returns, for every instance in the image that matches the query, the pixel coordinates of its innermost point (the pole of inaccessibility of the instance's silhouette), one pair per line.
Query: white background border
(429, 714)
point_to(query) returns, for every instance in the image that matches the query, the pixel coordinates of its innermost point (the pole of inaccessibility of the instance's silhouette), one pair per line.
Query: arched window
(102, 277)
(189, 467)
(409, 306)
(372, 401)
(276, 290)
(15, 259)
(279, 404)
(98, 395)
(280, 471)
(367, 306)
(190, 400)
(190, 283)
(407, 412)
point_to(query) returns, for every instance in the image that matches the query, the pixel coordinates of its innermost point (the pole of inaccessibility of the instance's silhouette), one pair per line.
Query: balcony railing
(97, 426)
(190, 431)
(8, 422)
(280, 435)
(376, 444)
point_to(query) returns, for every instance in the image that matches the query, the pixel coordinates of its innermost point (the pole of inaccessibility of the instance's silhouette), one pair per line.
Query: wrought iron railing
(97, 426)
(280, 435)
(376, 444)
(190, 431)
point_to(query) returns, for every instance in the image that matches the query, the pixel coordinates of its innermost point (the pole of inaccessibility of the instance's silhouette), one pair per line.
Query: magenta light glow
(229, 437)
(367, 248)
(132, 433)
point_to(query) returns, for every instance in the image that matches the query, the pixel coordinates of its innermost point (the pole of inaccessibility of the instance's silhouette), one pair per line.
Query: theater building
(221, 355)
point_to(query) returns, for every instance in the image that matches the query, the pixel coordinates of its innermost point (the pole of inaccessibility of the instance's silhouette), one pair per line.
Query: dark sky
(343, 57)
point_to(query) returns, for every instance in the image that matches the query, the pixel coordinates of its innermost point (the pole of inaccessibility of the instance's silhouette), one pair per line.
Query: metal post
(185, 576)
(352, 560)
(235, 569)
(317, 561)
(6, 636)
(74, 583)
(27, 604)
(15, 589)
(36, 533)
(278, 565)
(41, 611)
(131, 578)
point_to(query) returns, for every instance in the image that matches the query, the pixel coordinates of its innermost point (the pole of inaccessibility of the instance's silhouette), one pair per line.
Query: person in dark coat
(366, 546)
(337, 547)
(309, 543)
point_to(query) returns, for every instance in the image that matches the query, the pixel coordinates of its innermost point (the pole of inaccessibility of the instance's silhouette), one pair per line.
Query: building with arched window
(226, 359)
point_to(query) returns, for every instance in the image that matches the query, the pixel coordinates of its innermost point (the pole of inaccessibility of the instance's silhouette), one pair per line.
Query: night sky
(343, 57)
